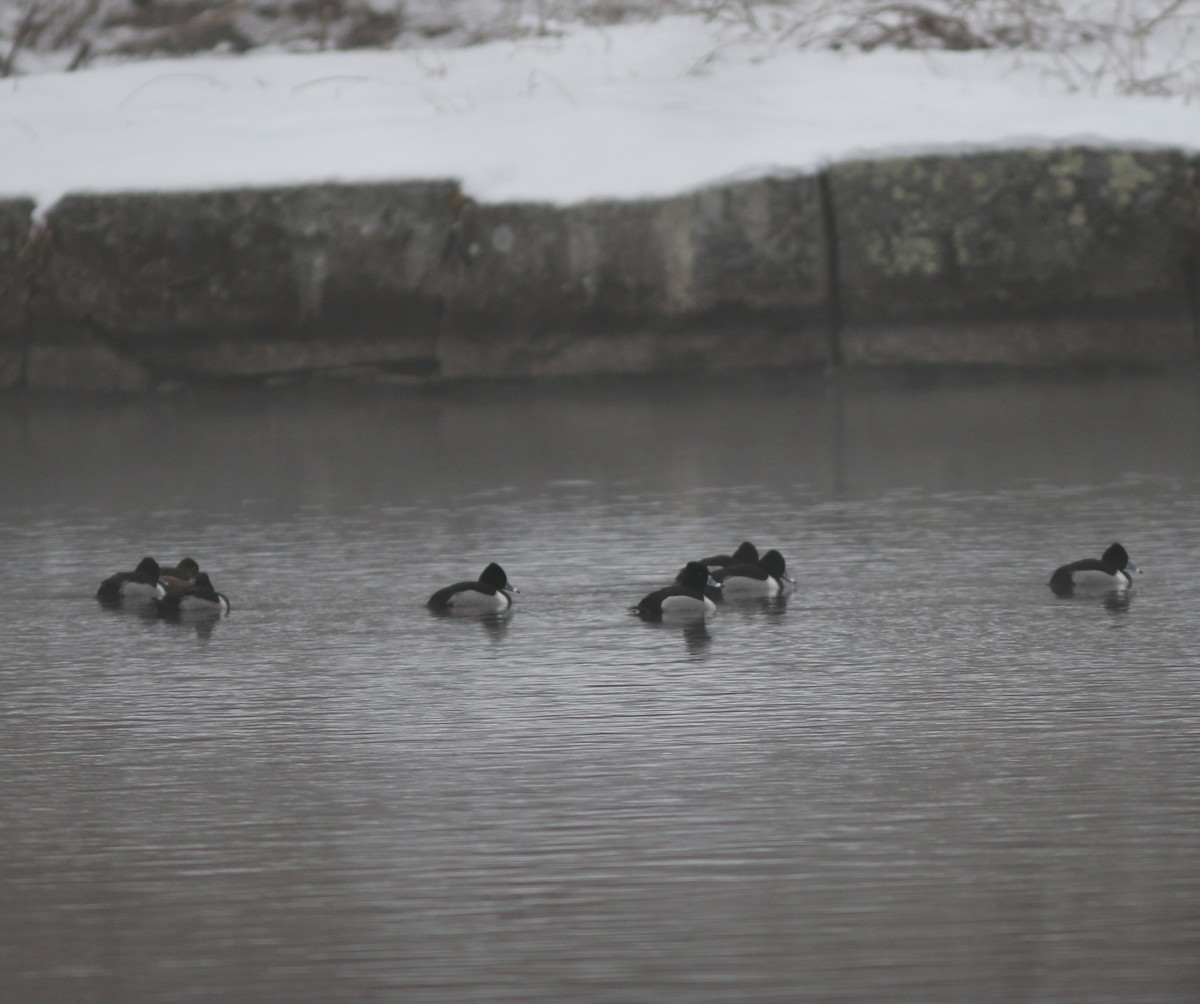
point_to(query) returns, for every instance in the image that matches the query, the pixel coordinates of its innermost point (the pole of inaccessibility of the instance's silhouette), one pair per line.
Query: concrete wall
(137, 289)
(732, 276)
(16, 247)
(1028, 258)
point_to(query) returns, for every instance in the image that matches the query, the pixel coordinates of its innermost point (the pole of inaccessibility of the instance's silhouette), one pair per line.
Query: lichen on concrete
(1049, 234)
(1126, 178)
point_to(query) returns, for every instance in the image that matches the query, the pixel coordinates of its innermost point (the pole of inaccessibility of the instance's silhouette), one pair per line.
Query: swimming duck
(765, 577)
(198, 598)
(685, 598)
(490, 592)
(140, 585)
(177, 579)
(1112, 570)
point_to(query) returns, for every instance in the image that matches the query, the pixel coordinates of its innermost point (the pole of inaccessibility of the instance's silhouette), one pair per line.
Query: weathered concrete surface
(1027, 258)
(414, 279)
(16, 218)
(725, 278)
(242, 284)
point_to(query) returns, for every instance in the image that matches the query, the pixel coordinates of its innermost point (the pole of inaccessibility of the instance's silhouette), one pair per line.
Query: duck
(177, 579)
(765, 577)
(198, 598)
(491, 592)
(140, 585)
(745, 554)
(686, 597)
(1112, 570)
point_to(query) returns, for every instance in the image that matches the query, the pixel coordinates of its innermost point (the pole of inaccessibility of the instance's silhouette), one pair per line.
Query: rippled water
(923, 778)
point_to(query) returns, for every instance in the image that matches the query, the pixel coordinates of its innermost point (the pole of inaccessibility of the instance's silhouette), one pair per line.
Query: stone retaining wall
(1025, 258)
(1039, 258)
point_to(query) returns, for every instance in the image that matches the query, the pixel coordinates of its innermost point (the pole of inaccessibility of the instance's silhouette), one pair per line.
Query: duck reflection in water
(495, 626)
(696, 636)
(204, 627)
(494, 623)
(756, 606)
(693, 630)
(1118, 602)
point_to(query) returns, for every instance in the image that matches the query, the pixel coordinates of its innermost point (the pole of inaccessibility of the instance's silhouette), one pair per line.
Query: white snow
(626, 112)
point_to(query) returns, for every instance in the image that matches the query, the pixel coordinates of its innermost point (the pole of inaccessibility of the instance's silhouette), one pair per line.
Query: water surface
(921, 778)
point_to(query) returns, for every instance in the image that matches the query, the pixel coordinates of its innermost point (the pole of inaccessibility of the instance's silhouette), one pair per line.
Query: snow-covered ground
(626, 111)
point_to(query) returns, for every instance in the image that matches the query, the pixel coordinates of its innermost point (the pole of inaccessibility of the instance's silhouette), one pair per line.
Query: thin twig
(23, 30)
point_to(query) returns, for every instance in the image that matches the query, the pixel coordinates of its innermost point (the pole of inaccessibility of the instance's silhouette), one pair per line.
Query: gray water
(921, 778)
